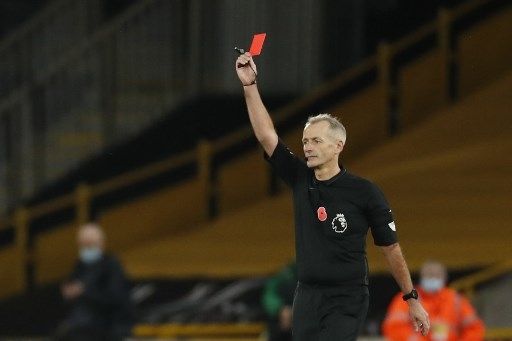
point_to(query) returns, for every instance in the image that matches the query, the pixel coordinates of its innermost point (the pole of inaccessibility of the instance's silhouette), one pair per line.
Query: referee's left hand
(419, 317)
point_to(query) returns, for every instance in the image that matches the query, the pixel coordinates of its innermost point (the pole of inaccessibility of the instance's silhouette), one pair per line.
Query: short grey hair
(337, 128)
(435, 263)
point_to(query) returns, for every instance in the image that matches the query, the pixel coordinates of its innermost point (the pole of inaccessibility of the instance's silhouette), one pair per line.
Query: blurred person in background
(278, 301)
(97, 292)
(451, 315)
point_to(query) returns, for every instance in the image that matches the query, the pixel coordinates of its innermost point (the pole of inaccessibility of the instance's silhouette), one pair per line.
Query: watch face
(412, 294)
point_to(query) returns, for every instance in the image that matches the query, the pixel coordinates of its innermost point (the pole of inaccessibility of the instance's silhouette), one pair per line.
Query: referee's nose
(307, 148)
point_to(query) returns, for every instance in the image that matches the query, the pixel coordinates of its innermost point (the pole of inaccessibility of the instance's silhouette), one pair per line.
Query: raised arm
(258, 115)
(399, 270)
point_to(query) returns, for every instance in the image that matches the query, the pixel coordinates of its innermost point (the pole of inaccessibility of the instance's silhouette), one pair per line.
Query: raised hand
(246, 69)
(72, 290)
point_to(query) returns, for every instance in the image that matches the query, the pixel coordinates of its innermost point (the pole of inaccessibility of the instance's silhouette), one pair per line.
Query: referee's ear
(339, 146)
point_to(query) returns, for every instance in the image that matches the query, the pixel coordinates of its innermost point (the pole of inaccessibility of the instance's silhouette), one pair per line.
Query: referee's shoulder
(359, 180)
(363, 184)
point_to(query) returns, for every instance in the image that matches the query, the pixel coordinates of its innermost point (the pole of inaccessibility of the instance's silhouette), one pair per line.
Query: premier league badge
(339, 223)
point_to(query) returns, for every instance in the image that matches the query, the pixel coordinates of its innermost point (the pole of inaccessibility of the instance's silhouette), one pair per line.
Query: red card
(257, 44)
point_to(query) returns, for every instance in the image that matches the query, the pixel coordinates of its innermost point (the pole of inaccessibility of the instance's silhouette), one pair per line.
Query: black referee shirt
(332, 218)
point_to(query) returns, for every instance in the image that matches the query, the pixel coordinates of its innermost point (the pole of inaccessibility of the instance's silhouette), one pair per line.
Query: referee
(333, 211)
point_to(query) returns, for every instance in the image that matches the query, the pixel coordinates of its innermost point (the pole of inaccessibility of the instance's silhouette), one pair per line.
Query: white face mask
(90, 255)
(432, 284)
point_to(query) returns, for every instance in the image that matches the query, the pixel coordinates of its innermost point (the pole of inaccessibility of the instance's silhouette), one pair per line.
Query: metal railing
(83, 195)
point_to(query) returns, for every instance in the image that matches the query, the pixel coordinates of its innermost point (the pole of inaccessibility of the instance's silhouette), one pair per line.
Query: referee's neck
(326, 172)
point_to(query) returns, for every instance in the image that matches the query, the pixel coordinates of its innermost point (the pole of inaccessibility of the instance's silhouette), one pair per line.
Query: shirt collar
(328, 182)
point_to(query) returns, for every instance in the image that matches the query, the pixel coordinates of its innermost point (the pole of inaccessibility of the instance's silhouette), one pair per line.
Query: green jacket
(279, 290)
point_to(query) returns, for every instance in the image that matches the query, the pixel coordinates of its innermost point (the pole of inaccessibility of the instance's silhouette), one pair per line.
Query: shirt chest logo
(339, 223)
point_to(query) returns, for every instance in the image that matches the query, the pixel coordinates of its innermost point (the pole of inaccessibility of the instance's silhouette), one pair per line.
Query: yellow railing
(248, 331)
(498, 334)
(83, 195)
(243, 331)
(468, 284)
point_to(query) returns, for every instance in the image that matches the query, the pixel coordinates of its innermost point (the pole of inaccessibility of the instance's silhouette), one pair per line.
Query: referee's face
(320, 147)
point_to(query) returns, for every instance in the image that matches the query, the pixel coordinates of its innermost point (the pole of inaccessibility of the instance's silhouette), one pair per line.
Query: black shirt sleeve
(380, 218)
(285, 163)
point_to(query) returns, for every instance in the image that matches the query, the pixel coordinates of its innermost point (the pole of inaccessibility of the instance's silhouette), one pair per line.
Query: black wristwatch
(412, 294)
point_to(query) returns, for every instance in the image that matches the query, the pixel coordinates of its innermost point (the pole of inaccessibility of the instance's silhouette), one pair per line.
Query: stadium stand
(448, 194)
(476, 65)
(10, 275)
(447, 176)
(451, 192)
(247, 173)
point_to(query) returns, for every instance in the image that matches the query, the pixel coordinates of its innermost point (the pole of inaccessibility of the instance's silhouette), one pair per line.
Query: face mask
(432, 285)
(90, 255)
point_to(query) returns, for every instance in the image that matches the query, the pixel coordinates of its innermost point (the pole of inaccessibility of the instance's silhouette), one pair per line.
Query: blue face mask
(90, 255)
(432, 285)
